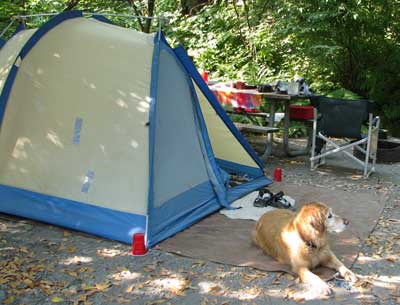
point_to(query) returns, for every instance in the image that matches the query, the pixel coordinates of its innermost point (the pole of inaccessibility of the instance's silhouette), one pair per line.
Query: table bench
(255, 128)
(250, 100)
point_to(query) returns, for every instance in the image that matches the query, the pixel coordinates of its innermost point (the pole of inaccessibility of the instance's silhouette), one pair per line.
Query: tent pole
(160, 18)
(7, 27)
(85, 13)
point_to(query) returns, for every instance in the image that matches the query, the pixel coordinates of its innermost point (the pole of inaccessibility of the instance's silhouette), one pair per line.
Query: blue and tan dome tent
(111, 131)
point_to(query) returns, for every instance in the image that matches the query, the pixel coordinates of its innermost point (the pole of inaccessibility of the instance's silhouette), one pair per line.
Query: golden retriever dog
(300, 240)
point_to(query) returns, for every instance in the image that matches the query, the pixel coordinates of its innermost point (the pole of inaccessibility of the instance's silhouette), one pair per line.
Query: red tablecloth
(240, 100)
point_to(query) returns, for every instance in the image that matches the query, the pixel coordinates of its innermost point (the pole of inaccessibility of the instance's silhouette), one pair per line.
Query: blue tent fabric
(19, 28)
(2, 42)
(192, 205)
(71, 214)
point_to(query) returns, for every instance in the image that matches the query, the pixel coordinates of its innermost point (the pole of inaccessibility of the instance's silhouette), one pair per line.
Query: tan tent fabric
(56, 85)
(224, 143)
(9, 53)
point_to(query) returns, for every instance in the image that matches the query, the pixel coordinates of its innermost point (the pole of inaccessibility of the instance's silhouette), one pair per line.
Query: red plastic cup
(278, 174)
(138, 245)
(204, 75)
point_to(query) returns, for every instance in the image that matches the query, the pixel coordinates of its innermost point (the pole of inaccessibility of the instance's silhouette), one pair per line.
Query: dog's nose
(346, 221)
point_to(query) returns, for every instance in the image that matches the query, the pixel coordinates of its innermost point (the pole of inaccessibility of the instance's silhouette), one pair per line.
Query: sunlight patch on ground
(367, 259)
(173, 285)
(111, 252)
(77, 260)
(210, 287)
(384, 281)
(245, 293)
(125, 275)
(274, 293)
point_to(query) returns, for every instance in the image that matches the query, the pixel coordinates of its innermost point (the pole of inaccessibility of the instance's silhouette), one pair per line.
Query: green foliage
(345, 49)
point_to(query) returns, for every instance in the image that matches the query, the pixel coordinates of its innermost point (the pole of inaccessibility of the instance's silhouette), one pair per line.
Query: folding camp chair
(343, 119)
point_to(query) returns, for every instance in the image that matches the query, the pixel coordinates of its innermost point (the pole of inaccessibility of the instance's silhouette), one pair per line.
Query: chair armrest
(376, 122)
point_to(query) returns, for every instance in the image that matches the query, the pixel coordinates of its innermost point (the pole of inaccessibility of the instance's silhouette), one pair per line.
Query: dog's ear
(317, 222)
(318, 218)
(314, 215)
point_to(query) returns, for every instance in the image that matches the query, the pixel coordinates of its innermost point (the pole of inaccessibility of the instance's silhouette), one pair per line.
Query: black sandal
(276, 201)
(262, 199)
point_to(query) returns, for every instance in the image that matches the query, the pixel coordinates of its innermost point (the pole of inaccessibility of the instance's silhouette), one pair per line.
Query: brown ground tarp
(220, 239)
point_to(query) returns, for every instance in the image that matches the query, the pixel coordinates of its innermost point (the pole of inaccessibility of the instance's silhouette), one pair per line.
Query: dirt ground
(44, 264)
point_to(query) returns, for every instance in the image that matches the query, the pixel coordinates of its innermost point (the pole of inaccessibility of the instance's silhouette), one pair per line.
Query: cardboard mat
(220, 239)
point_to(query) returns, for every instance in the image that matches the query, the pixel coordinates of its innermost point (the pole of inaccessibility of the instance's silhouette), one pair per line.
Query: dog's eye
(330, 215)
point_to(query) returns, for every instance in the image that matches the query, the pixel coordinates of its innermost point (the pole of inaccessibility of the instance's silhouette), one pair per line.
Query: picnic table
(248, 102)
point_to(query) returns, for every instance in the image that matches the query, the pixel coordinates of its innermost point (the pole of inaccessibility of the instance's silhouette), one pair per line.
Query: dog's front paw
(321, 288)
(350, 276)
(314, 291)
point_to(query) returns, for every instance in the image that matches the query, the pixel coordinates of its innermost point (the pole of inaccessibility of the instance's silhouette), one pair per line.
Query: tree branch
(71, 4)
(138, 13)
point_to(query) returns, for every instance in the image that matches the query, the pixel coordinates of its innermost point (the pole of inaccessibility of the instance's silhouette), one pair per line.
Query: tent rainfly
(110, 131)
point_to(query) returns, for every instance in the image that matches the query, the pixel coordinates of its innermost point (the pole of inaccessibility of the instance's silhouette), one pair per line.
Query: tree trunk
(190, 7)
(150, 13)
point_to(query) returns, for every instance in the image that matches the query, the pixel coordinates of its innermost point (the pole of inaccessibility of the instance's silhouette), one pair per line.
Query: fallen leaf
(214, 288)
(254, 291)
(102, 286)
(70, 292)
(57, 300)
(165, 272)
(88, 288)
(198, 264)
(130, 288)
(71, 249)
(392, 258)
(86, 269)
(204, 301)
(9, 300)
(160, 301)
(67, 234)
(28, 283)
(24, 250)
(250, 277)
(148, 269)
(71, 272)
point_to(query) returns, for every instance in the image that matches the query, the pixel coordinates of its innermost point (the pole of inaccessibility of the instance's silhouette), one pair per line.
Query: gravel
(45, 264)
